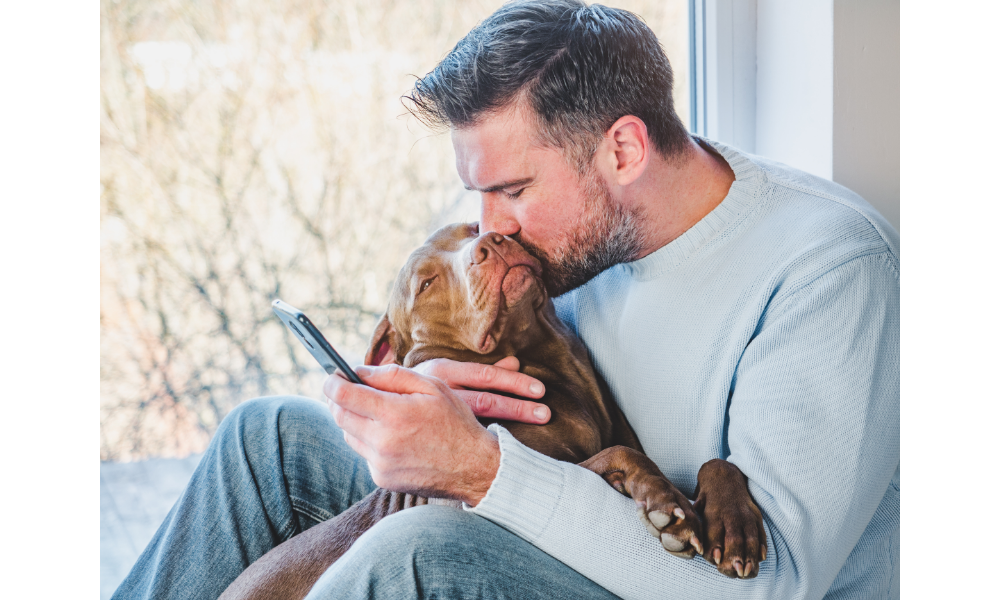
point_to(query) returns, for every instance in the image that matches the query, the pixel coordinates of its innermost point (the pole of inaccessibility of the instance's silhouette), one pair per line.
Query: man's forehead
(496, 151)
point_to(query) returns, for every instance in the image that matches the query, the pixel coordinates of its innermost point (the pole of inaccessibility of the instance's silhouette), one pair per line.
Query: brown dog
(479, 298)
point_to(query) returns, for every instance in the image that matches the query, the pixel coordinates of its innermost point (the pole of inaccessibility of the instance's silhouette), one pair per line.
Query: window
(250, 151)
(811, 84)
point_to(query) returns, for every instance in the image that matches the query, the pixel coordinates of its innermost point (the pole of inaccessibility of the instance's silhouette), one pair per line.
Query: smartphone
(313, 340)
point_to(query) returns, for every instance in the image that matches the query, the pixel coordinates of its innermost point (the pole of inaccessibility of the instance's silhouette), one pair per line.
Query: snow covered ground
(135, 498)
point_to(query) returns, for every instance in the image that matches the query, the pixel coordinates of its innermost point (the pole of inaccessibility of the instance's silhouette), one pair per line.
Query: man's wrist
(487, 463)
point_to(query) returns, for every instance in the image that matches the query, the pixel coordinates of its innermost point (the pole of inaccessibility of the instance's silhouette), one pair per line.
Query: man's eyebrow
(500, 186)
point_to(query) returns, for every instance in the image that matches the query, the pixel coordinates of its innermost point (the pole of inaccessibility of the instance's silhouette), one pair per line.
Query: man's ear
(628, 149)
(380, 351)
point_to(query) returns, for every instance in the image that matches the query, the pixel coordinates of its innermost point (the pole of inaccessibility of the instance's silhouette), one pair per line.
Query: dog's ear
(381, 352)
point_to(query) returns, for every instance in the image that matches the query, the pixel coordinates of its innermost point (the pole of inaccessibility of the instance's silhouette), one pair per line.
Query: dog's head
(462, 295)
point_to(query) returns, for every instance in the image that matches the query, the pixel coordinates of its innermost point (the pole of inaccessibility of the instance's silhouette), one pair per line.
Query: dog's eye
(425, 284)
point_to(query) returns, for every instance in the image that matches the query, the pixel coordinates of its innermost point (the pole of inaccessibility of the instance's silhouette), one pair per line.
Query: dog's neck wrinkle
(554, 340)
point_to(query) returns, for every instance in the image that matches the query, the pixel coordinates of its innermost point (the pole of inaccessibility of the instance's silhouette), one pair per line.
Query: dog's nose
(485, 245)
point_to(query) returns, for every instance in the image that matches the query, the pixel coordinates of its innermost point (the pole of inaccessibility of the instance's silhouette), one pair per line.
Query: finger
(350, 422)
(360, 399)
(489, 377)
(495, 406)
(398, 380)
(333, 383)
(510, 363)
(357, 445)
(437, 367)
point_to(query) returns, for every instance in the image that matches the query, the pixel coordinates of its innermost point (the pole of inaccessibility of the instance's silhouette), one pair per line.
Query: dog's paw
(735, 538)
(669, 517)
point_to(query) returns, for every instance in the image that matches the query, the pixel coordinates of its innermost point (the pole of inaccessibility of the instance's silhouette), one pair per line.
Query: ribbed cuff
(526, 490)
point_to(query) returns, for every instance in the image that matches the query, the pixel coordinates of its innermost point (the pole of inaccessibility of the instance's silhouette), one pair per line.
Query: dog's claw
(680, 513)
(697, 544)
(717, 556)
(738, 567)
(656, 520)
(763, 553)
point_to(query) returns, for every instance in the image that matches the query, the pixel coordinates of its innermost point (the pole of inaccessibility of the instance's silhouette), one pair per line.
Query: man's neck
(674, 194)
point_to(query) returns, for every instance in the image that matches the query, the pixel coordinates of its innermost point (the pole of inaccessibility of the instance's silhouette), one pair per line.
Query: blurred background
(252, 150)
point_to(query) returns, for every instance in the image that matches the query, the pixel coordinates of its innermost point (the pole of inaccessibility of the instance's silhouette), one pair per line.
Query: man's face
(532, 193)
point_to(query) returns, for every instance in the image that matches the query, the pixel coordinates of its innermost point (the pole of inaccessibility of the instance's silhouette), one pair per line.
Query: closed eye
(425, 284)
(513, 195)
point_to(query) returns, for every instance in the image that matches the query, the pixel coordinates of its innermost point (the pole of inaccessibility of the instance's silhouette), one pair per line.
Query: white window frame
(723, 71)
(811, 84)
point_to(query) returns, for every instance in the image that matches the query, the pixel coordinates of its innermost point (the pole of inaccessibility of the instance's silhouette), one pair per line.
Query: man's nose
(492, 217)
(487, 245)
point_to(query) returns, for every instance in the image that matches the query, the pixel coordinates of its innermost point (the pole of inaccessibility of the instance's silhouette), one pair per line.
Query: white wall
(795, 83)
(866, 101)
(811, 83)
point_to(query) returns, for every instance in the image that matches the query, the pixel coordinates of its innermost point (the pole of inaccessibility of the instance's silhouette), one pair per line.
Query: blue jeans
(279, 465)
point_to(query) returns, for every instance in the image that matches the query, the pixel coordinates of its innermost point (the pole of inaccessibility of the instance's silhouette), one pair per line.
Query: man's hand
(415, 432)
(468, 380)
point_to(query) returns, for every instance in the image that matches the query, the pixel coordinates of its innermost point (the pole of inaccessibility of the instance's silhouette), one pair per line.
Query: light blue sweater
(768, 335)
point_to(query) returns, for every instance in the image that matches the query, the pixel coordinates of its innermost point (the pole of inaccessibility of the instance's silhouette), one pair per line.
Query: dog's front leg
(735, 539)
(663, 509)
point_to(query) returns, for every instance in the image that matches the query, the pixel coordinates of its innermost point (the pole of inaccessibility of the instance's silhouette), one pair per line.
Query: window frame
(723, 70)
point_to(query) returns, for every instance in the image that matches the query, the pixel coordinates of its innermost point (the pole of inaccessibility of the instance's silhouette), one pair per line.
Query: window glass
(257, 150)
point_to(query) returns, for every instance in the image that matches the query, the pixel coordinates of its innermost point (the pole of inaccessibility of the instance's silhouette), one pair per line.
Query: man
(738, 309)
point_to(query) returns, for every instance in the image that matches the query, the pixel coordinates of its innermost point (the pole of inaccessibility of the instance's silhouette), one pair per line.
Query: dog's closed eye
(426, 284)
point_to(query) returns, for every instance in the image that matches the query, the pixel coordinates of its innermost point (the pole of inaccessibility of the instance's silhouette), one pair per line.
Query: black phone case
(313, 340)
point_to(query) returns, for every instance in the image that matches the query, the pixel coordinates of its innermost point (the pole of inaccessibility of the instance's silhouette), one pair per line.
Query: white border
(49, 240)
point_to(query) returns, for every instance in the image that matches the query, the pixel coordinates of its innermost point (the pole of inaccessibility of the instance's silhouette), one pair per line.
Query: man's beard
(606, 235)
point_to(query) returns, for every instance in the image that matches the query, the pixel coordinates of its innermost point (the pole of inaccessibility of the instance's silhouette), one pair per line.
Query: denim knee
(422, 529)
(402, 556)
(422, 538)
(442, 552)
(421, 544)
(258, 416)
(263, 411)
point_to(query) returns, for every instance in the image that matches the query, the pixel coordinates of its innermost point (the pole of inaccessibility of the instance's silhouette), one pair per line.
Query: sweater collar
(743, 194)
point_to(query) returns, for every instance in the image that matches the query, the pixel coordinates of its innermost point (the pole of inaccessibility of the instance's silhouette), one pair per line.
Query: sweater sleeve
(813, 422)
